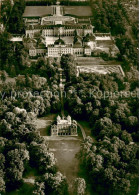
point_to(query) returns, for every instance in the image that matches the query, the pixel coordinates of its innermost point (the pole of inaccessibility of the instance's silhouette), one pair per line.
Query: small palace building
(64, 126)
(64, 30)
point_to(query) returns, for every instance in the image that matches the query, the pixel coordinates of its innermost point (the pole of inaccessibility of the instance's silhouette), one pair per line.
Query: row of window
(48, 31)
(62, 50)
(51, 33)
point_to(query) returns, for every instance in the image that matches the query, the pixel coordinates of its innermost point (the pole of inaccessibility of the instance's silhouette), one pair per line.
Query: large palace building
(64, 30)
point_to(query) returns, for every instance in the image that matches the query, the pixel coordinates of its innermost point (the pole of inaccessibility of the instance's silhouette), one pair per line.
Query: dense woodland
(111, 16)
(22, 147)
(113, 120)
(86, 98)
(12, 16)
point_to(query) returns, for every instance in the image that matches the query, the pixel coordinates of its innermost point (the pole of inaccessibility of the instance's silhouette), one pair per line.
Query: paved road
(82, 130)
(29, 180)
(62, 102)
(60, 138)
(61, 88)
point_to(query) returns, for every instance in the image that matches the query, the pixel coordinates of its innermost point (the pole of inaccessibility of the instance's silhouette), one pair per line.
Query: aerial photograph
(69, 93)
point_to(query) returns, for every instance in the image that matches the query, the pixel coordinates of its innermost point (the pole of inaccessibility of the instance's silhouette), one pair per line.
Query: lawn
(65, 151)
(39, 11)
(78, 10)
(43, 124)
(85, 61)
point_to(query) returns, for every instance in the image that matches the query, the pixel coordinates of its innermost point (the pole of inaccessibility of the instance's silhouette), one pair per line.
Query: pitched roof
(77, 45)
(89, 38)
(59, 42)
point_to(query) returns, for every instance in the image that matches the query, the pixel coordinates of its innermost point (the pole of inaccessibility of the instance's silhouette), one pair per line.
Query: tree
(126, 137)
(3, 142)
(2, 161)
(102, 124)
(75, 37)
(132, 121)
(42, 158)
(89, 107)
(68, 63)
(2, 183)
(55, 183)
(39, 188)
(113, 158)
(79, 186)
(18, 26)
(16, 160)
(3, 76)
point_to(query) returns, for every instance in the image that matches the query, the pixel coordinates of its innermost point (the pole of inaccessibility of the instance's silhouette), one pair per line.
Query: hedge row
(53, 2)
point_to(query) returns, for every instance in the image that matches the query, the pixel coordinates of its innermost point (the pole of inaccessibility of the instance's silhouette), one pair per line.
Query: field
(65, 151)
(94, 61)
(39, 11)
(43, 124)
(78, 10)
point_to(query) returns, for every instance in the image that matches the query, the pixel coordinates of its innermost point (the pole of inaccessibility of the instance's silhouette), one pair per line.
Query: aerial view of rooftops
(69, 93)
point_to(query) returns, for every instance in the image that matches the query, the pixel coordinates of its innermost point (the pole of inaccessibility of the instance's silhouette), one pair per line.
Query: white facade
(55, 31)
(67, 28)
(56, 51)
(33, 52)
(64, 127)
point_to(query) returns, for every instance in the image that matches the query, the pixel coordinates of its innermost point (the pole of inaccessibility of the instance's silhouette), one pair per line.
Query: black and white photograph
(69, 93)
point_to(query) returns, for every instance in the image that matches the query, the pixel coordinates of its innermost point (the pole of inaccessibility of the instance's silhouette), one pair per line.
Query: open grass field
(39, 11)
(65, 151)
(43, 124)
(78, 10)
(94, 61)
